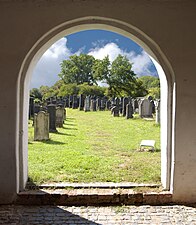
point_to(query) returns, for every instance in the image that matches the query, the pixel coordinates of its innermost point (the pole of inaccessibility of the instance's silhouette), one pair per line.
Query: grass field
(96, 147)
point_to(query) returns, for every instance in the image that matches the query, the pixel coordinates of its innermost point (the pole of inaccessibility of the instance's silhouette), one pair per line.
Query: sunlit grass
(93, 147)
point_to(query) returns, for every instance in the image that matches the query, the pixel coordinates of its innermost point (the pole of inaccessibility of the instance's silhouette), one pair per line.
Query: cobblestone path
(145, 214)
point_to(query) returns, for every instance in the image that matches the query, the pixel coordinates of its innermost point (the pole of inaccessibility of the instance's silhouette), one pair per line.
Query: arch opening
(158, 58)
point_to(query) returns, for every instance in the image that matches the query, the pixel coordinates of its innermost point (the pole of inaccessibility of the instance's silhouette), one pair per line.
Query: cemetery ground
(96, 147)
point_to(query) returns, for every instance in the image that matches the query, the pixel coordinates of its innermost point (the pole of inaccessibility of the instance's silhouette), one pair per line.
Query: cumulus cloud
(47, 69)
(141, 62)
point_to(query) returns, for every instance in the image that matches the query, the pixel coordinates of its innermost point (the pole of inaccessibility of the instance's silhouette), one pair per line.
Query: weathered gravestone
(124, 104)
(121, 105)
(81, 102)
(87, 104)
(93, 105)
(41, 126)
(52, 118)
(102, 106)
(31, 107)
(75, 102)
(70, 101)
(129, 111)
(145, 108)
(157, 108)
(59, 116)
(115, 111)
(135, 105)
(98, 103)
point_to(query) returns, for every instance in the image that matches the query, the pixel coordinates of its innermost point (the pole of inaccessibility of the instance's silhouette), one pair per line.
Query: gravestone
(70, 101)
(36, 108)
(41, 126)
(31, 107)
(75, 102)
(87, 104)
(117, 101)
(102, 105)
(153, 106)
(52, 118)
(98, 103)
(129, 111)
(59, 116)
(157, 108)
(81, 102)
(121, 105)
(115, 111)
(108, 104)
(145, 108)
(125, 102)
(93, 105)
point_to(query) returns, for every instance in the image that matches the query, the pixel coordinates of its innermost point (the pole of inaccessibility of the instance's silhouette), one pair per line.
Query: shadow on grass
(68, 128)
(51, 142)
(60, 133)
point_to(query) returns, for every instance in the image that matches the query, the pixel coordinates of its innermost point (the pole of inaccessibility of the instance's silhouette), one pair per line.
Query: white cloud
(47, 69)
(141, 62)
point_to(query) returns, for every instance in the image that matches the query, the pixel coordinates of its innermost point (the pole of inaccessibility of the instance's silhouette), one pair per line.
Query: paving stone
(176, 214)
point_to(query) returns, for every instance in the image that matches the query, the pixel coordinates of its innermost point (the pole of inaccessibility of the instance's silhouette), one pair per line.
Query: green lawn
(93, 147)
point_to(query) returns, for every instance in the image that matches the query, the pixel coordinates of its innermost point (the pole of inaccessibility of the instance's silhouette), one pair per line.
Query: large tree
(77, 69)
(119, 76)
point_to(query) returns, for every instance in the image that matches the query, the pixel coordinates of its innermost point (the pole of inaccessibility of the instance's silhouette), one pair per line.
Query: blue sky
(98, 43)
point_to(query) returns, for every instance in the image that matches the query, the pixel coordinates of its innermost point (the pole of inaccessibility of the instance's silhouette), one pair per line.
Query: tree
(152, 84)
(78, 69)
(36, 93)
(122, 80)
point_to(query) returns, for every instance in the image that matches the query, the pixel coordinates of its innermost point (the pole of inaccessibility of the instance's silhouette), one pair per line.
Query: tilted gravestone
(129, 111)
(145, 108)
(41, 126)
(59, 116)
(52, 118)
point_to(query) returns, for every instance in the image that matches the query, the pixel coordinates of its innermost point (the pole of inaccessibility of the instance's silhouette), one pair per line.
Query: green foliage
(97, 150)
(36, 93)
(77, 69)
(86, 89)
(122, 80)
(154, 92)
(101, 69)
(68, 89)
(152, 84)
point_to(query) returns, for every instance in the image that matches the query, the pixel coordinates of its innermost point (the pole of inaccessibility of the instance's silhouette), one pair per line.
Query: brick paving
(114, 215)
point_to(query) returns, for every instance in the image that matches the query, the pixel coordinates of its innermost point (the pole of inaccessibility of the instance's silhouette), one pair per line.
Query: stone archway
(165, 74)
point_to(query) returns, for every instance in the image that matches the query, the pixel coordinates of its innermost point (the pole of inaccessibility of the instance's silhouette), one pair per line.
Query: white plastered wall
(167, 28)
